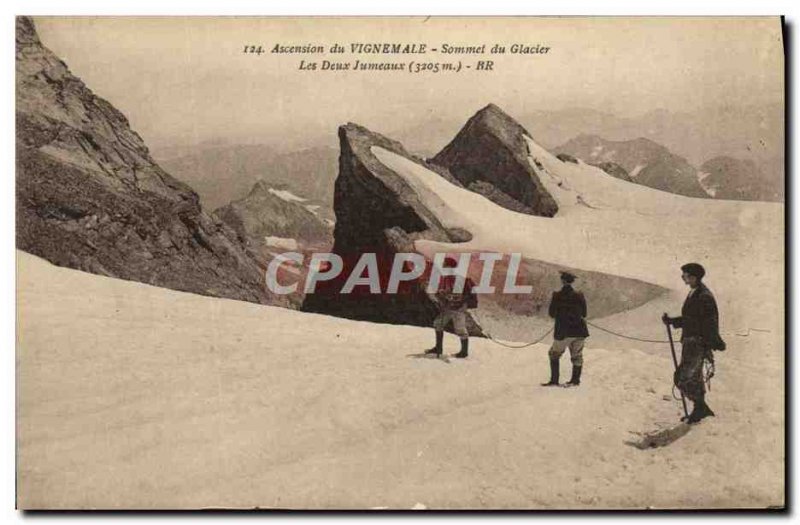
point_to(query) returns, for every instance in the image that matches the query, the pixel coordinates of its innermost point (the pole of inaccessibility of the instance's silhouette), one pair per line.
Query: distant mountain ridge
(646, 162)
(224, 173)
(740, 179)
(750, 130)
(267, 211)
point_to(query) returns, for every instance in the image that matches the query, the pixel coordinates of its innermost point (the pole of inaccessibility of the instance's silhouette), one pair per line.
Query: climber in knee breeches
(453, 305)
(699, 321)
(568, 308)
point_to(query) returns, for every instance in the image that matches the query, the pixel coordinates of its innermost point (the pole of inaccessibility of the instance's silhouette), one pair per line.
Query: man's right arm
(677, 322)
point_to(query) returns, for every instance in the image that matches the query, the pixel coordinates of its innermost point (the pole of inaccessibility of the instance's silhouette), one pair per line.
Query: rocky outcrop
(491, 148)
(646, 162)
(266, 212)
(614, 169)
(740, 179)
(498, 197)
(378, 212)
(565, 157)
(369, 197)
(270, 221)
(90, 197)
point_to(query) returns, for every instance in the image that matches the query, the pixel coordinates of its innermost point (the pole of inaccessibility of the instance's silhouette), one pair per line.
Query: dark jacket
(451, 300)
(700, 318)
(568, 308)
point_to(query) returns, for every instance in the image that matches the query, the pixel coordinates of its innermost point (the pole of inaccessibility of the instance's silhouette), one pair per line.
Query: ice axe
(675, 360)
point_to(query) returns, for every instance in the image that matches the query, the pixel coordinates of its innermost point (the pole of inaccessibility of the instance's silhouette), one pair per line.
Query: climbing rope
(632, 338)
(676, 398)
(708, 374)
(525, 345)
(489, 336)
(749, 330)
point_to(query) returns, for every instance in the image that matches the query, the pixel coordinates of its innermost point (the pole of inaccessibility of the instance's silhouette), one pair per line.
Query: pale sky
(187, 79)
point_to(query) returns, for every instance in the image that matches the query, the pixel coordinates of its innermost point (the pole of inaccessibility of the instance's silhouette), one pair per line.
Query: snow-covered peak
(286, 195)
(582, 186)
(603, 225)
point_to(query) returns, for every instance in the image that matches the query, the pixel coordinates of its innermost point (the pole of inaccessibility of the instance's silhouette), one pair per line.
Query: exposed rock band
(699, 321)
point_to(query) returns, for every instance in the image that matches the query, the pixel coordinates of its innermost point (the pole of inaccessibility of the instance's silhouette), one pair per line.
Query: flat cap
(567, 277)
(694, 269)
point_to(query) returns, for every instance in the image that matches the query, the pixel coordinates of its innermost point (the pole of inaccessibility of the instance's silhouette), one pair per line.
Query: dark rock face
(491, 148)
(369, 197)
(90, 197)
(377, 212)
(646, 162)
(565, 157)
(498, 197)
(615, 170)
(740, 179)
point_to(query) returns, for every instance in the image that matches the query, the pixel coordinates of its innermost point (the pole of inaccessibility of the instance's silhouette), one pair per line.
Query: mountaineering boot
(695, 416)
(464, 349)
(576, 376)
(700, 411)
(553, 373)
(437, 350)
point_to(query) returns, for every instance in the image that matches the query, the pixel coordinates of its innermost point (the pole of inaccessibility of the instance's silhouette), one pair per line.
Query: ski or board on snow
(660, 438)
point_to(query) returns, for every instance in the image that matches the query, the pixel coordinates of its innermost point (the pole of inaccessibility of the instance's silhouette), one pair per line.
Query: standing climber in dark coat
(568, 308)
(700, 323)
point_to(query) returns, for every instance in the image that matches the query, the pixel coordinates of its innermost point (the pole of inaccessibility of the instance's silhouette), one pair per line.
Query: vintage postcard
(400, 263)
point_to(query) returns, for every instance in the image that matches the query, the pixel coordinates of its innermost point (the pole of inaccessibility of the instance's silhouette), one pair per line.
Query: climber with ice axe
(699, 321)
